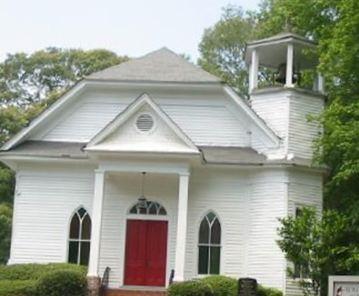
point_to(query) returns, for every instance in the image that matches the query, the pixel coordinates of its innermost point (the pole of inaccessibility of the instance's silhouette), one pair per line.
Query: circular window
(144, 122)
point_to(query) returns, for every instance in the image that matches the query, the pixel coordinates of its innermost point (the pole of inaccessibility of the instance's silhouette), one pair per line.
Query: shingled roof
(162, 65)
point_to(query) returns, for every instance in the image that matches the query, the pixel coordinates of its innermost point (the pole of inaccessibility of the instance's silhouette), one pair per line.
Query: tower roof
(272, 51)
(162, 65)
(283, 37)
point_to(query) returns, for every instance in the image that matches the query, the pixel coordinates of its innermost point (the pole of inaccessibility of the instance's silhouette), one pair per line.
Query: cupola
(285, 89)
(286, 56)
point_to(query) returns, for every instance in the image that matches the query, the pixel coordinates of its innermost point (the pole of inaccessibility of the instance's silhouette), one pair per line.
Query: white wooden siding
(274, 110)
(248, 205)
(44, 201)
(247, 202)
(302, 132)
(305, 189)
(287, 114)
(207, 120)
(265, 261)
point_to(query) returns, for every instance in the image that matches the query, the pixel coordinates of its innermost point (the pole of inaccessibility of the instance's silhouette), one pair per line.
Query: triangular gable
(123, 134)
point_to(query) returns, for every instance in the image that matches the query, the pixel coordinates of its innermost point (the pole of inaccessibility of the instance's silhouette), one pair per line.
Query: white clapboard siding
(305, 189)
(303, 132)
(207, 121)
(121, 192)
(45, 199)
(248, 205)
(274, 110)
(265, 261)
(224, 193)
(287, 114)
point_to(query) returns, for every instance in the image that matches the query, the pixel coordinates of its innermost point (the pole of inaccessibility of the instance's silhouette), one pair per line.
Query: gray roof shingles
(48, 149)
(210, 154)
(162, 65)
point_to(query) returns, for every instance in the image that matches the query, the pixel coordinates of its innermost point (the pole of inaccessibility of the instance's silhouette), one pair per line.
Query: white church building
(160, 172)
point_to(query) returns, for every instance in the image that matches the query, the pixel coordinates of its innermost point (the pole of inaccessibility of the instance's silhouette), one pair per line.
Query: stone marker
(247, 287)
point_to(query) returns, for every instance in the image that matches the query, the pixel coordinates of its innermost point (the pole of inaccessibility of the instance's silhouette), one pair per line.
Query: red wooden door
(146, 253)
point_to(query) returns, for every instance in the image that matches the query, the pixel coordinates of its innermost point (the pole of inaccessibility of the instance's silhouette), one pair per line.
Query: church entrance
(146, 253)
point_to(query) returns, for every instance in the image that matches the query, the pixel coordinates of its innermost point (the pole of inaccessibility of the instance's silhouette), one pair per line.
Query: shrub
(263, 291)
(17, 288)
(190, 288)
(62, 283)
(216, 285)
(29, 279)
(35, 271)
(222, 285)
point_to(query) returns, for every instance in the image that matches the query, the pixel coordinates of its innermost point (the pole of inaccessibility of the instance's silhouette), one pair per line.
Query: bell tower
(285, 89)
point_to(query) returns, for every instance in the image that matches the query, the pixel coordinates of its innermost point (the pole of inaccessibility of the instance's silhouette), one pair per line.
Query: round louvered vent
(144, 122)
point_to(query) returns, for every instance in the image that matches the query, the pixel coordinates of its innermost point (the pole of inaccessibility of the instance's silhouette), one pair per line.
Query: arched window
(148, 208)
(209, 245)
(80, 238)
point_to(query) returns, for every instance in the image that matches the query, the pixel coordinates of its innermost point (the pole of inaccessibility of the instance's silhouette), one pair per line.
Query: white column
(253, 71)
(181, 227)
(289, 74)
(96, 223)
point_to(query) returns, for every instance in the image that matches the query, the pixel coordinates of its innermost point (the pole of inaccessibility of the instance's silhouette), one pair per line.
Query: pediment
(142, 127)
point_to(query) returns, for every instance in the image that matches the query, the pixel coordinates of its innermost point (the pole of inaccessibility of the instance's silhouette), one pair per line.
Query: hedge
(42, 280)
(215, 286)
(264, 291)
(17, 288)
(190, 288)
(34, 271)
(221, 285)
(62, 283)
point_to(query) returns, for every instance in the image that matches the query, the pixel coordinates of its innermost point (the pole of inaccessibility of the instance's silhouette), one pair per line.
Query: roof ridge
(162, 64)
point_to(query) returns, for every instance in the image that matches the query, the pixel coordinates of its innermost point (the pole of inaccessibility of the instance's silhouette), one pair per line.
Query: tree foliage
(320, 245)
(25, 79)
(222, 47)
(5, 231)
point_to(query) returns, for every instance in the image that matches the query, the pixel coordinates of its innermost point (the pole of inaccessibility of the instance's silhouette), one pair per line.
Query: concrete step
(124, 292)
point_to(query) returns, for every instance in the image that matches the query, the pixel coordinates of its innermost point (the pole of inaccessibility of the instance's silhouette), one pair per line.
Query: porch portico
(119, 173)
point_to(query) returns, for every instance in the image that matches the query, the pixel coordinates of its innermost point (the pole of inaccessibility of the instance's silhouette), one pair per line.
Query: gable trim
(130, 111)
(251, 114)
(22, 134)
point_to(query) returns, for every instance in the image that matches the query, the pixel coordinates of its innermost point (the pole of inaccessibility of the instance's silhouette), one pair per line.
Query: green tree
(222, 47)
(25, 79)
(5, 231)
(319, 245)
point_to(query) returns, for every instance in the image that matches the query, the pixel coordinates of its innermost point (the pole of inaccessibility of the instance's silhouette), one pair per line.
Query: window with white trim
(80, 238)
(209, 245)
(146, 207)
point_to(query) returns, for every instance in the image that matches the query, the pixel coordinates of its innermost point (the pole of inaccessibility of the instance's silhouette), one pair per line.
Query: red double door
(146, 253)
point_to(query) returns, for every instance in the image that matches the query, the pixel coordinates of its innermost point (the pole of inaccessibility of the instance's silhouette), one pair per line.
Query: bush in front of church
(221, 285)
(216, 285)
(264, 291)
(38, 279)
(17, 287)
(62, 282)
(190, 288)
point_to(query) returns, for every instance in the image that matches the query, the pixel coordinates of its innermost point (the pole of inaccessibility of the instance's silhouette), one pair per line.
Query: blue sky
(132, 27)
